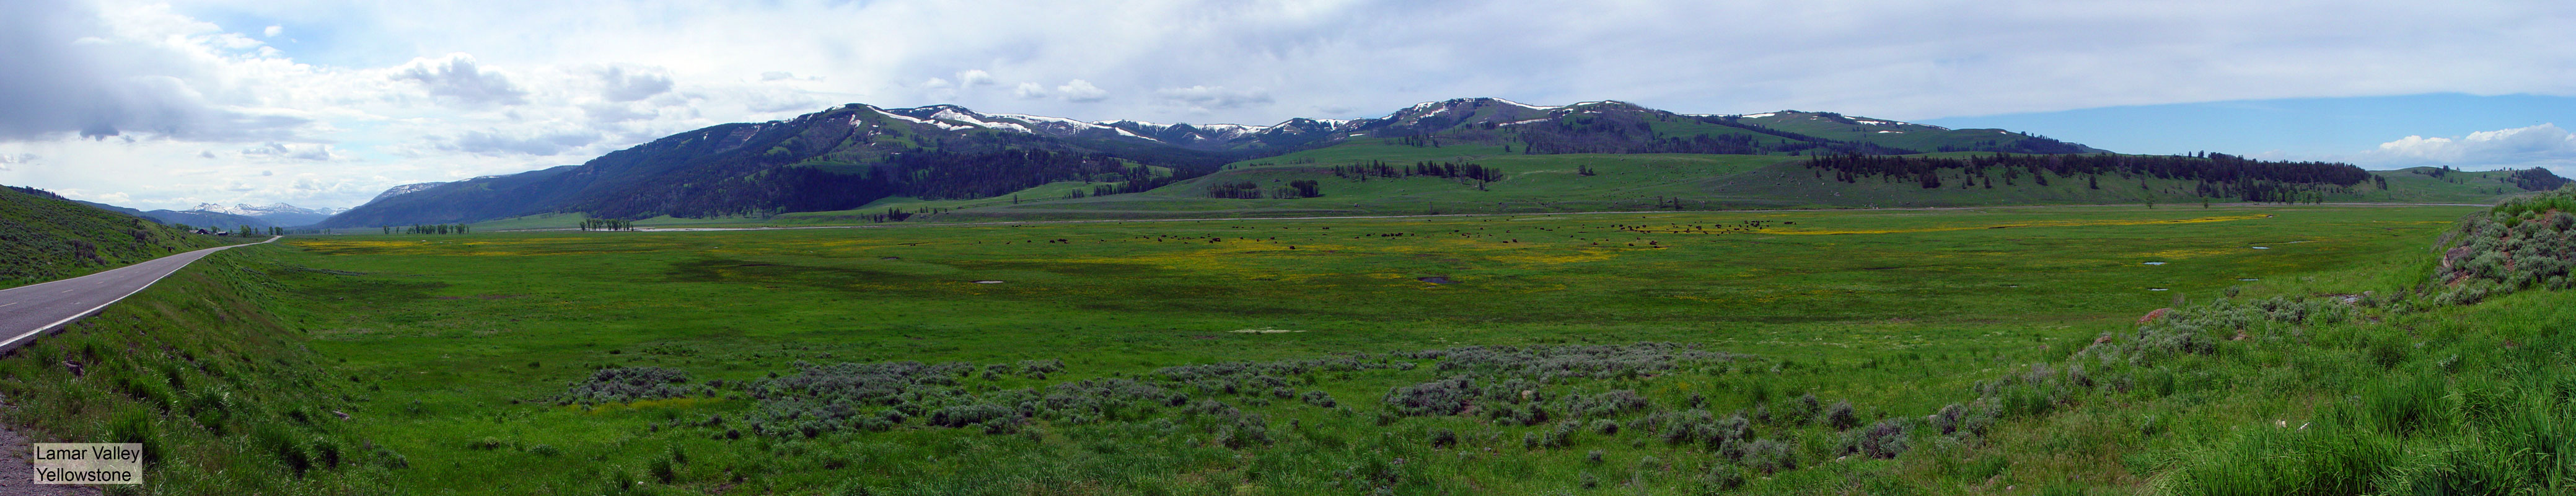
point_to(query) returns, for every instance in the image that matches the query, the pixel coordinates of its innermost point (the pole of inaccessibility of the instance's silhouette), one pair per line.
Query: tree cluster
(2218, 174)
(428, 229)
(2535, 179)
(1245, 190)
(1451, 170)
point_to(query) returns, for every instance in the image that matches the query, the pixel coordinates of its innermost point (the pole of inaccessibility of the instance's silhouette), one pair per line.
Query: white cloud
(2534, 146)
(615, 112)
(624, 84)
(497, 143)
(275, 150)
(179, 93)
(1081, 91)
(457, 77)
(79, 69)
(1205, 98)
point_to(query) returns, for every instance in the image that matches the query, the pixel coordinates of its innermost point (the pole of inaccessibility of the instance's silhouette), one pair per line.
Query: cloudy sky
(326, 103)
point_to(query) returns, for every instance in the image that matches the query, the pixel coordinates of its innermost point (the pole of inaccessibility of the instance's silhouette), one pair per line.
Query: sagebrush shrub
(1839, 416)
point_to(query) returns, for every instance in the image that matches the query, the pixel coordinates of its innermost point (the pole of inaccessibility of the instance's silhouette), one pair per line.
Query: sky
(327, 103)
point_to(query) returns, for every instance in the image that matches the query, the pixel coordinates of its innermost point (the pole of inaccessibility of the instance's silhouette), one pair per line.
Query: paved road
(27, 311)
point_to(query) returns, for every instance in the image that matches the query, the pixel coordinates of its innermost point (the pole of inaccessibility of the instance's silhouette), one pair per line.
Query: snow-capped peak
(969, 118)
(1127, 121)
(246, 209)
(403, 189)
(1528, 106)
(1427, 109)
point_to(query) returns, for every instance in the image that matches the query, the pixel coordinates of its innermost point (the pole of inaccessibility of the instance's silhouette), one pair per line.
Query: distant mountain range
(848, 156)
(221, 217)
(275, 213)
(50, 238)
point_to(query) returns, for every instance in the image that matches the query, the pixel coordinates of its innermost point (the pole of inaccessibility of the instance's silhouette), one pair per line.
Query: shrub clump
(1884, 439)
(1555, 364)
(625, 384)
(2522, 243)
(1839, 416)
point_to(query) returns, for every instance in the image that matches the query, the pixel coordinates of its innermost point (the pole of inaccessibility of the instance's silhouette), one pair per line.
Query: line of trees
(1450, 170)
(891, 214)
(427, 229)
(1246, 190)
(2218, 174)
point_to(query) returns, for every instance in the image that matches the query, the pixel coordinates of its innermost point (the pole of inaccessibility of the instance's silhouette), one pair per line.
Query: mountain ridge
(852, 154)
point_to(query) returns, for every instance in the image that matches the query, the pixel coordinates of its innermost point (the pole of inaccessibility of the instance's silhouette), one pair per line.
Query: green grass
(1048, 191)
(221, 390)
(1622, 182)
(2413, 185)
(1535, 183)
(573, 221)
(453, 354)
(1899, 314)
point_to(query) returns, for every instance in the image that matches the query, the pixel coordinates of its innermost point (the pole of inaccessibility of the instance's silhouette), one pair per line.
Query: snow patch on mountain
(245, 209)
(1527, 106)
(951, 114)
(931, 123)
(402, 190)
(1230, 130)
(1127, 121)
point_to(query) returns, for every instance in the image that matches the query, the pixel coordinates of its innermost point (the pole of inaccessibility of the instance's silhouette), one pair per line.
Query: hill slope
(1392, 177)
(44, 237)
(849, 157)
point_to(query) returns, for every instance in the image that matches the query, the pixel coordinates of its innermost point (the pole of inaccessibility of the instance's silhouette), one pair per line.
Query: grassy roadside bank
(202, 370)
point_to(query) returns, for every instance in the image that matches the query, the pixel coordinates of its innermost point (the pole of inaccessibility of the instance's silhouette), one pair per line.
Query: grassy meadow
(1301, 356)
(1559, 183)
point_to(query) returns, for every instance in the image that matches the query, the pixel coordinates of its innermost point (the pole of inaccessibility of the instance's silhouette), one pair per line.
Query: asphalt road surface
(28, 311)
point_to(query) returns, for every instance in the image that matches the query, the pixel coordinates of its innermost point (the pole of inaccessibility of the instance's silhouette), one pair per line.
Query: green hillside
(1907, 135)
(44, 237)
(2299, 350)
(859, 164)
(1627, 182)
(864, 163)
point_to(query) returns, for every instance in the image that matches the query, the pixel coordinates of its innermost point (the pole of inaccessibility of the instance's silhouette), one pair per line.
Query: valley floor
(1893, 351)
